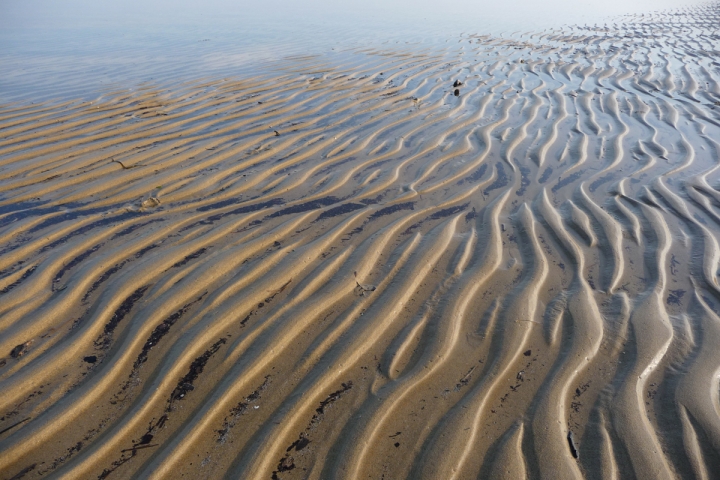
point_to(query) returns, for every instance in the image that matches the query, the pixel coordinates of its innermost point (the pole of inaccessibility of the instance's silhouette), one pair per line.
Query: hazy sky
(14, 13)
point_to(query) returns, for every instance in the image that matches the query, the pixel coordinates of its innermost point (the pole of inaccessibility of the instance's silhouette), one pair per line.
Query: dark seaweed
(446, 212)
(287, 462)
(76, 260)
(567, 180)
(185, 384)
(341, 210)
(333, 397)
(103, 278)
(470, 215)
(192, 256)
(524, 180)
(410, 229)
(117, 463)
(161, 330)
(372, 201)
(17, 282)
(475, 176)
(144, 250)
(267, 300)
(546, 175)
(104, 340)
(239, 410)
(392, 209)
(604, 179)
(354, 231)
(16, 243)
(500, 181)
(675, 297)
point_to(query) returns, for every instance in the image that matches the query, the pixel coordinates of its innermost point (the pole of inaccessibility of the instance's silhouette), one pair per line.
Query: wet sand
(494, 259)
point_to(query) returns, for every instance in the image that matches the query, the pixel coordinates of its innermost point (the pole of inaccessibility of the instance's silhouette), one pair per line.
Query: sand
(347, 270)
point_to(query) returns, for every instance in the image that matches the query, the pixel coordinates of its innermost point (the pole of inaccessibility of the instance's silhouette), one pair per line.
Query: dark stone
(19, 350)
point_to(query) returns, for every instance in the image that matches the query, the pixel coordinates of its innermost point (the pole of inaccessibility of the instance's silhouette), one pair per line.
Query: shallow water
(79, 49)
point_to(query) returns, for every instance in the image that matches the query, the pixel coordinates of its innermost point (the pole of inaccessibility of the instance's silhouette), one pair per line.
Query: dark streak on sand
(524, 180)
(604, 179)
(567, 180)
(341, 210)
(103, 342)
(103, 278)
(22, 278)
(475, 176)
(392, 209)
(446, 212)
(501, 180)
(262, 304)
(14, 425)
(192, 256)
(185, 384)
(161, 330)
(239, 410)
(287, 463)
(545, 175)
(75, 261)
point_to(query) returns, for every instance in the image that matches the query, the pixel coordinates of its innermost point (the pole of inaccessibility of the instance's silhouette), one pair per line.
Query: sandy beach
(492, 258)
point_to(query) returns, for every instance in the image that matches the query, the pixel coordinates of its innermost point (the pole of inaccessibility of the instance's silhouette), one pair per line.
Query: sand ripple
(344, 270)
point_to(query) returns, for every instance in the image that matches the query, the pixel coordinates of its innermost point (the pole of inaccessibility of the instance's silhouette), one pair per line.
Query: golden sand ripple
(347, 271)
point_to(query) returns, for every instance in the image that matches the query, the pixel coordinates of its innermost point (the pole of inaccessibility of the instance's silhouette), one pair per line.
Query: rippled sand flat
(494, 259)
